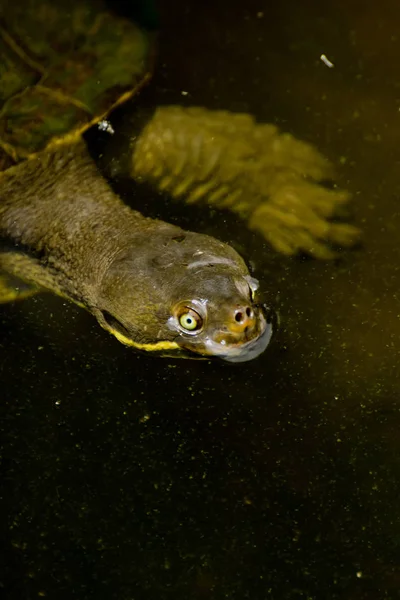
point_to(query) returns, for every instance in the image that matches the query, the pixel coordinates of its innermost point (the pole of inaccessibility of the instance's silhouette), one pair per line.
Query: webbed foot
(229, 161)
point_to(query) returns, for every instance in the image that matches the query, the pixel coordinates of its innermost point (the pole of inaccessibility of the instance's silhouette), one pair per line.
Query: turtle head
(184, 294)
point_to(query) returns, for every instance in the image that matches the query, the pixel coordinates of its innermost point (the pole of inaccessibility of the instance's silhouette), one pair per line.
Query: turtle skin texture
(63, 69)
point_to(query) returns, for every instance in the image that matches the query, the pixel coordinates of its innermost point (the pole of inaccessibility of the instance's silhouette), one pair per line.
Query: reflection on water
(129, 477)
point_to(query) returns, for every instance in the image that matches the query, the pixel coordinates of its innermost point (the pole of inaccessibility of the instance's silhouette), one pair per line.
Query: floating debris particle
(326, 61)
(144, 418)
(105, 125)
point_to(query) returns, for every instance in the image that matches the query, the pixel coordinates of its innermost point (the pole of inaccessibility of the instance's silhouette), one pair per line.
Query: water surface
(126, 477)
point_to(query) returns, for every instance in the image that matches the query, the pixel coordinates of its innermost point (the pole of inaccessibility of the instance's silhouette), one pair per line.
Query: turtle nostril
(242, 320)
(242, 316)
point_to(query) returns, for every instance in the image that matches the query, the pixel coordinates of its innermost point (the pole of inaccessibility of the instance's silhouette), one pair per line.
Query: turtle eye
(190, 320)
(253, 287)
(252, 293)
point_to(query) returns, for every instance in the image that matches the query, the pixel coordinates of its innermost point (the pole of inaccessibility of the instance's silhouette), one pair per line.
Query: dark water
(126, 477)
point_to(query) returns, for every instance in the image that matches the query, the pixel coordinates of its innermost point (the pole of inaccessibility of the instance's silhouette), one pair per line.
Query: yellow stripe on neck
(158, 346)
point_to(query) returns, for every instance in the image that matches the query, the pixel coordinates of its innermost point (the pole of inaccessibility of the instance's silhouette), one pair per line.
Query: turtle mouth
(242, 348)
(231, 347)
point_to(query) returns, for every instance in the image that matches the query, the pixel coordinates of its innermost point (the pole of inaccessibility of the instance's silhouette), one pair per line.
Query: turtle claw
(295, 218)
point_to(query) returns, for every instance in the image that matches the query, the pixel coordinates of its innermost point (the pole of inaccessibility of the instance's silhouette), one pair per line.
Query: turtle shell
(63, 66)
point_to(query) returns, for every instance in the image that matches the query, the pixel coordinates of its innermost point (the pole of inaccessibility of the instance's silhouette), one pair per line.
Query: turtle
(64, 67)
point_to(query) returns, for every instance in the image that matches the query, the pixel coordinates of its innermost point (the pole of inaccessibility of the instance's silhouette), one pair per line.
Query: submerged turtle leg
(229, 161)
(12, 288)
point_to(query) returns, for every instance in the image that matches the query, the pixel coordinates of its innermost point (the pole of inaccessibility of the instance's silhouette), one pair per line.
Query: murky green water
(126, 477)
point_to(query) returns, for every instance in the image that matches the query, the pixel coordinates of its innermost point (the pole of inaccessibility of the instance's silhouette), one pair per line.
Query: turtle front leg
(268, 178)
(12, 289)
